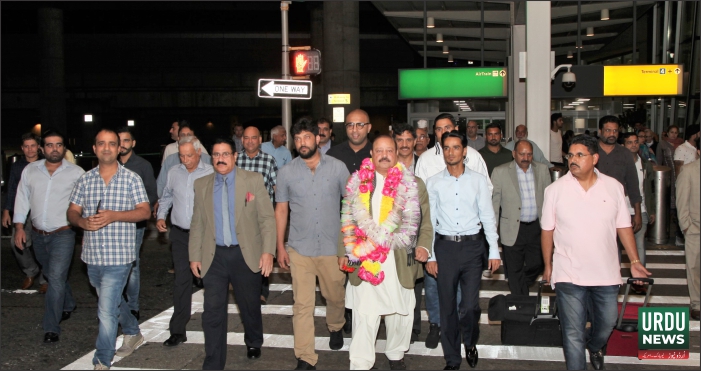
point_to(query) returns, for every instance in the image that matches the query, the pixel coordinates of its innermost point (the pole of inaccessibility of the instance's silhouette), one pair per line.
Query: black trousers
(182, 285)
(459, 263)
(229, 267)
(418, 294)
(523, 261)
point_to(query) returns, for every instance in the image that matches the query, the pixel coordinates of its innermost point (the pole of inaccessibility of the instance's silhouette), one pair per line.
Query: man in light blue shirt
(174, 160)
(461, 203)
(276, 146)
(179, 192)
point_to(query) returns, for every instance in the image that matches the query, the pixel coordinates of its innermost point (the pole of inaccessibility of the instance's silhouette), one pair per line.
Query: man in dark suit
(232, 241)
(519, 186)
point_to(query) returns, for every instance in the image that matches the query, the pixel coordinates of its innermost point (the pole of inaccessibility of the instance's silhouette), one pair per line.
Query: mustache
(573, 165)
(221, 163)
(322, 135)
(402, 148)
(384, 159)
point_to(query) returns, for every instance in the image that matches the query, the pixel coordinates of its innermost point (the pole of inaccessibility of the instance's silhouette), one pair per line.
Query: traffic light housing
(305, 62)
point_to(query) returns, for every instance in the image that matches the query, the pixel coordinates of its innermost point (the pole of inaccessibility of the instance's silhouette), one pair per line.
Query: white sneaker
(100, 366)
(130, 343)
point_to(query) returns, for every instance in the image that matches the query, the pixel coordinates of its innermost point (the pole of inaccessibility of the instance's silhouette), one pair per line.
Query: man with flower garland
(380, 222)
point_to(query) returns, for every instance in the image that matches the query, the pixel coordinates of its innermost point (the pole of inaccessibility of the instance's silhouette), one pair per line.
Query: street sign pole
(286, 103)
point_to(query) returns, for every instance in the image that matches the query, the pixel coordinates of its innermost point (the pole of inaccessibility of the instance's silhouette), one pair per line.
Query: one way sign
(289, 89)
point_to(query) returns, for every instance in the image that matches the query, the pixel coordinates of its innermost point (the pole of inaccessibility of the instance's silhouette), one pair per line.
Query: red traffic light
(305, 62)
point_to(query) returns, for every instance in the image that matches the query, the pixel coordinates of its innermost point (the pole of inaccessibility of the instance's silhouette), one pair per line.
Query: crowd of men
(375, 222)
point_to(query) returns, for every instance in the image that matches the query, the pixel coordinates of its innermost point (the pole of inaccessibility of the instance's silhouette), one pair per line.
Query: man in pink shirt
(582, 214)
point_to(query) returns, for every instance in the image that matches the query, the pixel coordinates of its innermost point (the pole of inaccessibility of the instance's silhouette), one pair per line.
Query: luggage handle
(629, 282)
(553, 311)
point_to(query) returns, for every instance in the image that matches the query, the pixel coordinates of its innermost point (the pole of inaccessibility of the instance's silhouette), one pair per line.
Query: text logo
(665, 330)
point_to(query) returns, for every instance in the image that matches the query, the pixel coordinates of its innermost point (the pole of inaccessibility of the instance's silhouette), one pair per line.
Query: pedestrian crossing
(670, 289)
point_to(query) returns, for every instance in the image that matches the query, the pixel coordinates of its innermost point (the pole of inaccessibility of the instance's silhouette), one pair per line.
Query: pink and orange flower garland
(367, 241)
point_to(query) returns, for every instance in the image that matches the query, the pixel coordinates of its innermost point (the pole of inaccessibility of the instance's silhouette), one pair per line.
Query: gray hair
(276, 130)
(192, 140)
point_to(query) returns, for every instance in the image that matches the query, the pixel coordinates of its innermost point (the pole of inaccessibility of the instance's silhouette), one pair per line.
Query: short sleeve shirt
(685, 152)
(115, 243)
(585, 224)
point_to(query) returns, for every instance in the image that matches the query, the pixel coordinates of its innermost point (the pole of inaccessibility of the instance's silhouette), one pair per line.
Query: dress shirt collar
(230, 177)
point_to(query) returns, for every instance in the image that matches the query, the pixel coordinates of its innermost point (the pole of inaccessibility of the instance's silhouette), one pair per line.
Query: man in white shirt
(173, 147)
(686, 152)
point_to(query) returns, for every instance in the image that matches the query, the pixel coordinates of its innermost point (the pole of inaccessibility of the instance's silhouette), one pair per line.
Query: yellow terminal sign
(656, 79)
(339, 98)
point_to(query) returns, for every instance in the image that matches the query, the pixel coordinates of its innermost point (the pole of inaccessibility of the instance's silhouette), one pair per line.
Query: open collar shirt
(281, 154)
(432, 162)
(46, 195)
(113, 244)
(179, 193)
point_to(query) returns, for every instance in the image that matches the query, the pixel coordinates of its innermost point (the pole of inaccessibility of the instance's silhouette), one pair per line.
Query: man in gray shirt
(45, 188)
(312, 186)
(473, 140)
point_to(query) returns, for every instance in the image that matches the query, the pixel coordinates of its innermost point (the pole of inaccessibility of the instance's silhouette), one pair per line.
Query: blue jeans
(55, 253)
(577, 304)
(112, 309)
(431, 291)
(640, 239)
(134, 281)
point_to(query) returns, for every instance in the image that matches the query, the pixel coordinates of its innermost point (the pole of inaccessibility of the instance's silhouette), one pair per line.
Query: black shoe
(451, 367)
(397, 365)
(253, 353)
(336, 340)
(695, 314)
(65, 316)
(472, 356)
(302, 365)
(198, 282)
(136, 314)
(414, 336)
(433, 337)
(50, 337)
(597, 359)
(174, 340)
(348, 326)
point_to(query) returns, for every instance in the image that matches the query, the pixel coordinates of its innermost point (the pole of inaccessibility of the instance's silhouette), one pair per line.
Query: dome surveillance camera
(569, 80)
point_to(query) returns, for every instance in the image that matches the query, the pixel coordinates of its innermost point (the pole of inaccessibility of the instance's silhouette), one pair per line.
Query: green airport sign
(444, 83)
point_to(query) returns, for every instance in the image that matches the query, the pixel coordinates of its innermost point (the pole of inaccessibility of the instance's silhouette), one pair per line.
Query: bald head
(521, 132)
(251, 141)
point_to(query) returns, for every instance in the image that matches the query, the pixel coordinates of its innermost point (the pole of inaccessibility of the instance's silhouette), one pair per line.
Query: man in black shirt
(357, 148)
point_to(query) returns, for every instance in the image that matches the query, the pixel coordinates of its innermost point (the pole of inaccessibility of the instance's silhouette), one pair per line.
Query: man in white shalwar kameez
(386, 292)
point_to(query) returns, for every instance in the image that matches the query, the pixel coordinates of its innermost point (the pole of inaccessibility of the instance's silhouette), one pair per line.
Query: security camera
(568, 79)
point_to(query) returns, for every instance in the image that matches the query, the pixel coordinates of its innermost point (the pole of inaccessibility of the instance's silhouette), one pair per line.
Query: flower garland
(368, 242)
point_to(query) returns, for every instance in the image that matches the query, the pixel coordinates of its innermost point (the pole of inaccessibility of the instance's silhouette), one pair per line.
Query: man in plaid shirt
(251, 158)
(107, 202)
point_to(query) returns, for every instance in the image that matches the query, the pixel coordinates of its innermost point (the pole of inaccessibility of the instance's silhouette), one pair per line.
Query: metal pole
(655, 32)
(635, 31)
(482, 34)
(674, 111)
(286, 103)
(658, 231)
(579, 31)
(693, 67)
(425, 32)
(665, 59)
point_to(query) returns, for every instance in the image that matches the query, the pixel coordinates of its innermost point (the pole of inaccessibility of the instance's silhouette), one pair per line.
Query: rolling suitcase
(527, 320)
(624, 338)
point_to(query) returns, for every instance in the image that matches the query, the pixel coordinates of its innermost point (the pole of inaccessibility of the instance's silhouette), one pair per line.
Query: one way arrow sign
(289, 89)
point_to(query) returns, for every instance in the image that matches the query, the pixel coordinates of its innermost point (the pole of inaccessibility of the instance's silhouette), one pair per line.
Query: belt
(472, 237)
(529, 223)
(44, 233)
(181, 229)
(233, 246)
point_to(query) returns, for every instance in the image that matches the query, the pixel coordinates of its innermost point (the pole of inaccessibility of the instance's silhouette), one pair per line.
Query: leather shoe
(695, 315)
(27, 283)
(447, 367)
(397, 365)
(597, 359)
(43, 288)
(302, 365)
(348, 326)
(472, 356)
(253, 353)
(50, 337)
(174, 340)
(66, 315)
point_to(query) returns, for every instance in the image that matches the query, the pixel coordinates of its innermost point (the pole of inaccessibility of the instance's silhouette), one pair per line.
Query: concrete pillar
(341, 55)
(538, 73)
(517, 98)
(52, 90)
(319, 100)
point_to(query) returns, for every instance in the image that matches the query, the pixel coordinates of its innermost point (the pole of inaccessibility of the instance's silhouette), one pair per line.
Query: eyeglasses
(359, 125)
(422, 137)
(578, 155)
(223, 154)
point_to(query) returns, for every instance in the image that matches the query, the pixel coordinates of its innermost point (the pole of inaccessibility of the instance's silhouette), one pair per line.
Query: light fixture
(450, 58)
(604, 14)
(88, 118)
(582, 99)
(470, 62)
(445, 49)
(430, 22)
(439, 37)
(671, 55)
(130, 122)
(569, 54)
(590, 31)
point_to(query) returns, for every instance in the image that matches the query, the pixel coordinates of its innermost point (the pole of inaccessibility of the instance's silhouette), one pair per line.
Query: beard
(309, 154)
(54, 157)
(124, 152)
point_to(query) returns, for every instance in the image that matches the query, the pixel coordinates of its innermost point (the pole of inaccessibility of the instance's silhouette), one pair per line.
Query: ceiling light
(582, 99)
(590, 31)
(445, 49)
(130, 122)
(450, 58)
(430, 23)
(88, 118)
(439, 37)
(569, 54)
(470, 62)
(604, 14)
